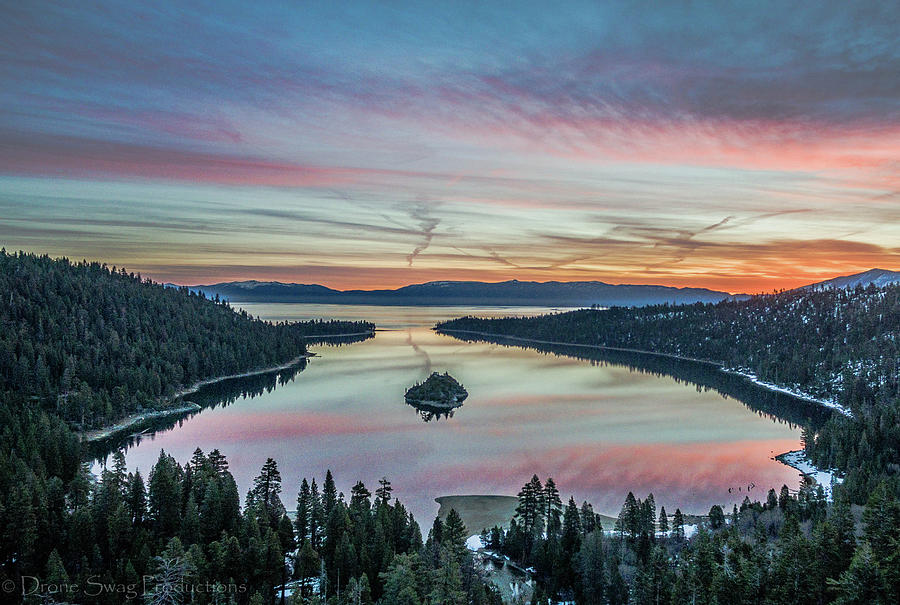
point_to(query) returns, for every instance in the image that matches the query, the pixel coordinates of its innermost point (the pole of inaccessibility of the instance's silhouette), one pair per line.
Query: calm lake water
(599, 427)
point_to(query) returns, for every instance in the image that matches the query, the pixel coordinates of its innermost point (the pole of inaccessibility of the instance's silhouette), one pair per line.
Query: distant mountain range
(513, 292)
(555, 294)
(878, 277)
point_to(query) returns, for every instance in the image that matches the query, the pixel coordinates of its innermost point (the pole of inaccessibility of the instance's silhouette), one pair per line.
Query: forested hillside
(94, 343)
(83, 344)
(790, 549)
(180, 535)
(835, 344)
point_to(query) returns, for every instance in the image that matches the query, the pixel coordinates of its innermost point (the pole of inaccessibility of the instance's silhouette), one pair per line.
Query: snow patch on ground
(826, 478)
(474, 543)
(794, 393)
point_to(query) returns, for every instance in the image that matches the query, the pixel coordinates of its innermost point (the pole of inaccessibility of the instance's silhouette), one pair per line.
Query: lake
(600, 424)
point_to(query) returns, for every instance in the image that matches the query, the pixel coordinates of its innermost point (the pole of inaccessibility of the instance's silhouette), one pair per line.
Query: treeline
(773, 404)
(94, 343)
(841, 345)
(183, 530)
(791, 549)
(833, 343)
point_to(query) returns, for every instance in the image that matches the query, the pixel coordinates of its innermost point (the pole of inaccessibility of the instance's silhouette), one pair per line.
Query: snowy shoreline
(798, 460)
(743, 374)
(797, 394)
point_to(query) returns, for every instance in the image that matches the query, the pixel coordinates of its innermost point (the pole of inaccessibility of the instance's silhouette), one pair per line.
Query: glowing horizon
(742, 148)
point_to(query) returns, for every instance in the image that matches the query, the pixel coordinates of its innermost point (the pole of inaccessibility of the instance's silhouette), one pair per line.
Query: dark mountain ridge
(877, 277)
(512, 292)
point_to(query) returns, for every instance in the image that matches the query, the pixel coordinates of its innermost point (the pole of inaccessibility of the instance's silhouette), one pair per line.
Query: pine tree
(784, 497)
(590, 565)
(663, 525)
(212, 518)
(569, 545)
(881, 521)
(383, 493)
(454, 534)
(55, 572)
(436, 534)
(552, 507)
(198, 461)
(304, 510)
(771, 500)
(716, 517)
(218, 462)
(588, 517)
(628, 522)
(446, 582)
(136, 499)
(164, 499)
(329, 495)
(678, 525)
(265, 494)
(648, 516)
(528, 512)
(359, 497)
(571, 528)
(316, 515)
(401, 582)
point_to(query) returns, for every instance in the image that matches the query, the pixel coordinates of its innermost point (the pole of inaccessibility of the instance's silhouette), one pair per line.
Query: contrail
(427, 225)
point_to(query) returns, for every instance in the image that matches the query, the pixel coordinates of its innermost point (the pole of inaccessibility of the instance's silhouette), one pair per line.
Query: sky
(741, 146)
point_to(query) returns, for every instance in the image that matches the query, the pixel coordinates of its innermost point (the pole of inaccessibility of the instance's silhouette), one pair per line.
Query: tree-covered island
(437, 391)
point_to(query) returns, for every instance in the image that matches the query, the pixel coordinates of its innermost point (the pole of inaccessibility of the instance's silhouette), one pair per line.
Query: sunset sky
(743, 148)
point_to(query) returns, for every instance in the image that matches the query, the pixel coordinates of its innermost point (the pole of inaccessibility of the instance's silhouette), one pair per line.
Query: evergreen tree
(454, 535)
(316, 515)
(628, 522)
(529, 512)
(590, 565)
(663, 525)
(136, 498)
(265, 496)
(771, 500)
(329, 495)
(55, 572)
(164, 500)
(678, 525)
(218, 462)
(552, 507)
(304, 511)
(359, 497)
(383, 493)
(588, 517)
(446, 582)
(716, 517)
(400, 581)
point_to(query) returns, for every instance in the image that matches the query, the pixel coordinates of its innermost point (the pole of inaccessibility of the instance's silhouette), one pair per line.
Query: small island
(440, 391)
